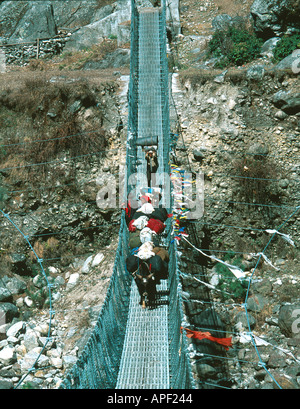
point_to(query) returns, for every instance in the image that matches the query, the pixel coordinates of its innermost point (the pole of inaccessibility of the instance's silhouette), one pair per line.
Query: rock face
(80, 24)
(87, 21)
(223, 21)
(37, 22)
(104, 24)
(212, 140)
(19, 18)
(275, 17)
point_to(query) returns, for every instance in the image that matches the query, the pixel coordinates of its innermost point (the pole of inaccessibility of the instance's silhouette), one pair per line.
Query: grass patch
(75, 60)
(198, 77)
(40, 123)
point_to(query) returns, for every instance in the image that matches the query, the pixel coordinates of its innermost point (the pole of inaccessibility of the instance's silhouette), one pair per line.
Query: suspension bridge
(132, 347)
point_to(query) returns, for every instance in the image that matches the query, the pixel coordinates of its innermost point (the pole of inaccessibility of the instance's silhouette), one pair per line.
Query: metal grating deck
(149, 84)
(147, 329)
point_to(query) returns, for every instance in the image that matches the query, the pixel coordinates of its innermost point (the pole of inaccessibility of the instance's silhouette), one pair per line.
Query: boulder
(256, 303)
(6, 384)
(16, 329)
(56, 362)
(221, 22)
(69, 361)
(280, 115)
(30, 359)
(284, 381)
(277, 359)
(211, 319)
(7, 355)
(73, 280)
(258, 150)
(9, 311)
(273, 18)
(244, 320)
(206, 371)
(15, 285)
(269, 46)
(86, 266)
(30, 340)
(291, 62)
(255, 73)
(198, 155)
(98, 259)
(289, 320)
(5, 295)
(39, 281)
(287, 101)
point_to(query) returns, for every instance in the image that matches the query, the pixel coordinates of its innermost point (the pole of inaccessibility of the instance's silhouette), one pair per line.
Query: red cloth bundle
(156, 225)
(225, 342)
(131, 227)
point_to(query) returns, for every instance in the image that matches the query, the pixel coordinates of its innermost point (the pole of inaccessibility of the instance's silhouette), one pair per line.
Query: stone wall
(21, 54)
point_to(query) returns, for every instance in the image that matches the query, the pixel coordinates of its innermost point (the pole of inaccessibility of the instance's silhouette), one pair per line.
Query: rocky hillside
(63, 123)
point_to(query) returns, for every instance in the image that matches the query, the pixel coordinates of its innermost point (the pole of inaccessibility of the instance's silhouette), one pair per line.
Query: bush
(286, 46)
(228, 283)
(256, 179)
(234, 46)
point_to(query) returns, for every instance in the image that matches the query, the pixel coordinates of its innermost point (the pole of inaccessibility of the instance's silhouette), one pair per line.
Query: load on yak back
(147, 261)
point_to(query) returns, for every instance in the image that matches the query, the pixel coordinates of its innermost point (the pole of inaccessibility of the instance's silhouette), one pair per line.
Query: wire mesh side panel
(179, 361)
(164, 92)
(98, 365)
(180, 367)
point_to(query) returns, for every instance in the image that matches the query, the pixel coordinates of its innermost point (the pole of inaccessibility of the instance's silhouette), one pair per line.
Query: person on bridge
(152, 164)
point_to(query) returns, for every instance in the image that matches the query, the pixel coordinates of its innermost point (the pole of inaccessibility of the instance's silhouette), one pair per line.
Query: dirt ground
(16, 77)
(196, 16)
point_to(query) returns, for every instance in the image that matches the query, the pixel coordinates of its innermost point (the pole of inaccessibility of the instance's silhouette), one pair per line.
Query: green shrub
(236, 45)
(228, 283)
(286, 46)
